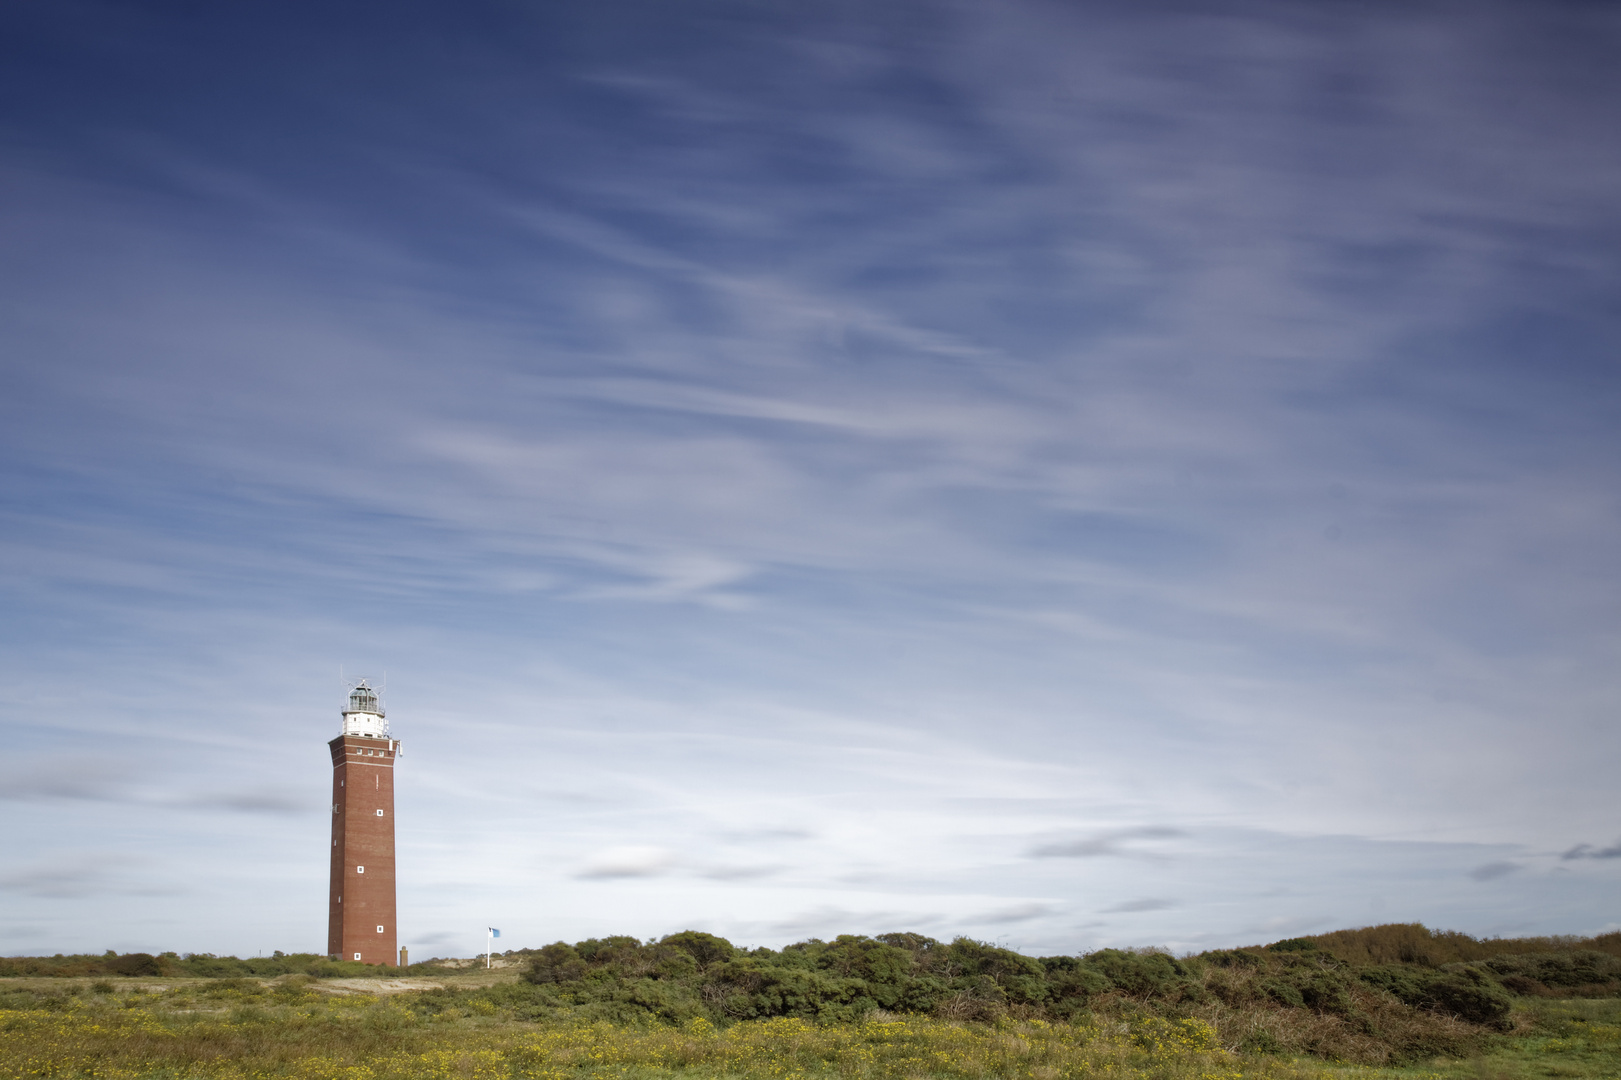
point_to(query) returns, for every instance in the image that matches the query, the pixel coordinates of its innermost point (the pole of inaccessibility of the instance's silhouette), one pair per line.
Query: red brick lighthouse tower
(360, 920)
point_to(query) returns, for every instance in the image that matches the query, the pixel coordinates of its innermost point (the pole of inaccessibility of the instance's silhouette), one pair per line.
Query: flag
(494, 932)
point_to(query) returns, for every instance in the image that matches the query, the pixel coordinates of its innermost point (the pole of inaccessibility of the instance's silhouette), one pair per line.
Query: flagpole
(489, 943)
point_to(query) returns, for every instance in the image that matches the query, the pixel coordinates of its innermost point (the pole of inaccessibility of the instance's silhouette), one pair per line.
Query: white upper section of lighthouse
(364, 714)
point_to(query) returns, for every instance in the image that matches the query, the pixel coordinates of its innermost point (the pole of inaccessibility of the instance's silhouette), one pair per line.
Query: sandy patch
(375, 986)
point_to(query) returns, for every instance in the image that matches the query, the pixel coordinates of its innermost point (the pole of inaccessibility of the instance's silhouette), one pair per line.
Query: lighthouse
(360, 911)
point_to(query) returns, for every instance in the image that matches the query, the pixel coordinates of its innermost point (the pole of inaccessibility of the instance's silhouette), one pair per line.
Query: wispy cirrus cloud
(739, 871)
(254, 802)
(65, 778)
(1492, 871)
(1017, 913)
(830, 919)
(629, 861)
(1116, 843)
(79, 876)
(91, 780)
(1132, 907)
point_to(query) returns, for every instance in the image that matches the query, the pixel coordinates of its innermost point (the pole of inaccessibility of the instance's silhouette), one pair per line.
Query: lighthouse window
(379, 813)
(360, 869)
(357, 956)
(379, 929)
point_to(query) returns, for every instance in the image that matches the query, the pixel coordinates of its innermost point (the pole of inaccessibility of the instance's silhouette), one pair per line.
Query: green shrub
(556, 963)
(1071, 984)
(1284, 993)
(138, 963)
(1405, 984)
(1578, 968)
(704, 948)
(1293, 945)
(1470, 996)
(1146, 975)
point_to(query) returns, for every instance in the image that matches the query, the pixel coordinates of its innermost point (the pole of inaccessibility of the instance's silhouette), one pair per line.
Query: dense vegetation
(1391, 993)
(233, 1032)
(298, 1028)
(1382, 995)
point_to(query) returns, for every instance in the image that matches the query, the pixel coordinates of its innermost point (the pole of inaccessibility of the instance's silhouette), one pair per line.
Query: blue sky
(1069, 474)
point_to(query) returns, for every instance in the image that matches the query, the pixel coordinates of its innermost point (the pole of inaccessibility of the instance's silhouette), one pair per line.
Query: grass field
(125, 1029)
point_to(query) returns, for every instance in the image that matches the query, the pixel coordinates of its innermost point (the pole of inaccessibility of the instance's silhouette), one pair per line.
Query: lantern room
(364, 715)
